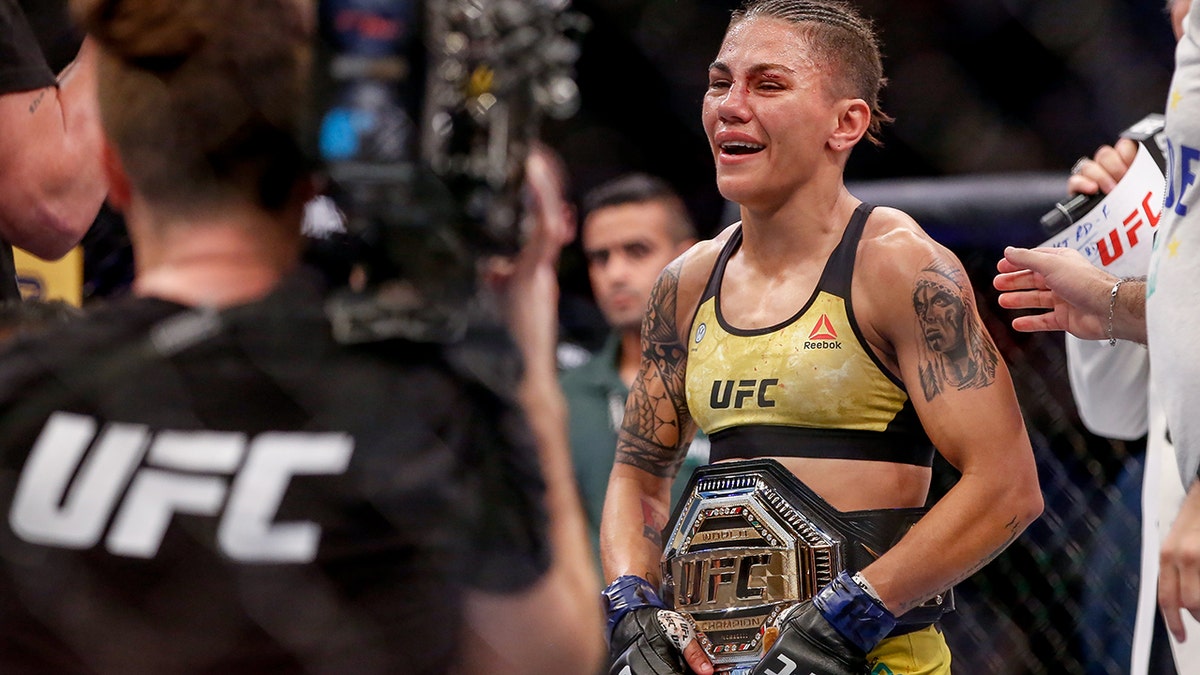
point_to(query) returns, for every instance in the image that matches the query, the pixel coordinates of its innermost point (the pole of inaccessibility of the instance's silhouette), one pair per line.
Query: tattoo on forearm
(37, 101)
(652, 525)
(650, 457)
(956, 350)
(652, 433)
(1013, 532)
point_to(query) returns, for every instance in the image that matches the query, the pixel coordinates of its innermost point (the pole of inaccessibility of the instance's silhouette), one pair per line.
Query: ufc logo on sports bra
(724, 393)
(75, 482)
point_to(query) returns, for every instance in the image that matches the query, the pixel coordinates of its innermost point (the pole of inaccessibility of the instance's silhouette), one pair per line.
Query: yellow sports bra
(807, 387)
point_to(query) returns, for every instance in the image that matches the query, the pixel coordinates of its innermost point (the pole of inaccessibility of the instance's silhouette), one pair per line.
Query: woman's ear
(854, 117)
(119, 188)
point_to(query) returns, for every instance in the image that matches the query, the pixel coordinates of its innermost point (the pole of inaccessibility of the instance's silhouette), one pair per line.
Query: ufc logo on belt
(74, 482)
(725, 579)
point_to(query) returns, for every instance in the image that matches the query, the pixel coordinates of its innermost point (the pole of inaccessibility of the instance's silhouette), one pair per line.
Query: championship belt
(749, 541)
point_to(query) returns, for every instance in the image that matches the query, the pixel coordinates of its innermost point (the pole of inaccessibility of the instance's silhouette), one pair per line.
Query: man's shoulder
(94, 333)
(572, 356)
(23, 66)
(592, 369)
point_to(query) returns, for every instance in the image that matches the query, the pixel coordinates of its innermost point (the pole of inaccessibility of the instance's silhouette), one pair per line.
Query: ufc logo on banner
(75, 482)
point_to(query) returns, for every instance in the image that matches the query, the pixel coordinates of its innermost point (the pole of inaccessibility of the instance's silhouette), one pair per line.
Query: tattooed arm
(922, 305)
(652, 441)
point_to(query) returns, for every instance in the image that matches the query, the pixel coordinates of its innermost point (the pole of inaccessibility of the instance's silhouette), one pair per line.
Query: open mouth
(741, 148)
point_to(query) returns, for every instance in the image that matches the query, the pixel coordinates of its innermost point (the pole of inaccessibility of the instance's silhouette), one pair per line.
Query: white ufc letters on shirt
(74, 482)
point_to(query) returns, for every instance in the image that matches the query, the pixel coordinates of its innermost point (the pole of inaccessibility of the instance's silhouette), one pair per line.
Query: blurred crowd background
(976, 86)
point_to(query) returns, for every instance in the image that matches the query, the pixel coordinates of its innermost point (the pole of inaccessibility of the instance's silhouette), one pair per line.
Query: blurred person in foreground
(837, 341)
(22, 317)
(51, 179)
(1091, 304)
(633, 226)
(198, 478)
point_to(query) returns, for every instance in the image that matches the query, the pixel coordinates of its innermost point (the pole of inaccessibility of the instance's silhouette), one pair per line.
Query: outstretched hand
(1060, 280)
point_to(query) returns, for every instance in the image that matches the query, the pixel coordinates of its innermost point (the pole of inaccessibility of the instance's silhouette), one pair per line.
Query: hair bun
(154, 34)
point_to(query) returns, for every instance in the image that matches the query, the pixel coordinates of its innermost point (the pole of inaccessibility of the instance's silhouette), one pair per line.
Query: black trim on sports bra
(764, 440)
(835, 277)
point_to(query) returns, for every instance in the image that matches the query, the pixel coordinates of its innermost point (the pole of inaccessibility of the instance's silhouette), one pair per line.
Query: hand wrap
(644, 637)
(626, 594)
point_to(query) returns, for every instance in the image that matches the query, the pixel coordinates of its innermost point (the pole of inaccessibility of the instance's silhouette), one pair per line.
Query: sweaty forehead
(765, 41)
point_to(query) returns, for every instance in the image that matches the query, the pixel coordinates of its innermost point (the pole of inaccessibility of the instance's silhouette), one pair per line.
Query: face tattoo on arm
(956, 352)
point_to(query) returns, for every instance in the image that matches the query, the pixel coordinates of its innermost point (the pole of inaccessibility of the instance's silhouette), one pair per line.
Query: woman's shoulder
(695, 264)
(681, 284)
(894, 240)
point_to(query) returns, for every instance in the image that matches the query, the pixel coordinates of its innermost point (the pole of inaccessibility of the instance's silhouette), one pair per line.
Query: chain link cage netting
(1061, 599)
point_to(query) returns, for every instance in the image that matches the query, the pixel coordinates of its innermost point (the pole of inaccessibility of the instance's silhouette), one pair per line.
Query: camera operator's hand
(526, 286)
(527, 283)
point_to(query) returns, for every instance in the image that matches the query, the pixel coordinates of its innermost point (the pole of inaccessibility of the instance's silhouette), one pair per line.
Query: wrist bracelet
(1112, 309)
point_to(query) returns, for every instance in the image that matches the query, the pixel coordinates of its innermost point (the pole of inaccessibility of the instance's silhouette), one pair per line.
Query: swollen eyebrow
(768, 67)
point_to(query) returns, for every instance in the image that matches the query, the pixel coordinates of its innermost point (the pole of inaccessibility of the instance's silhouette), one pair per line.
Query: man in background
(633, 226)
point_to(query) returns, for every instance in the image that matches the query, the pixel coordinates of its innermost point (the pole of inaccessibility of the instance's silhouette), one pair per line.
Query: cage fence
(1061, 599)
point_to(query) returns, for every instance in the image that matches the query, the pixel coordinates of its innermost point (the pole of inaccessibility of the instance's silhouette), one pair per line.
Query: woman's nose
(734, 105)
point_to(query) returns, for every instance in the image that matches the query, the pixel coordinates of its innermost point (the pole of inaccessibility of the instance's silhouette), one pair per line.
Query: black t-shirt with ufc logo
(200, 492)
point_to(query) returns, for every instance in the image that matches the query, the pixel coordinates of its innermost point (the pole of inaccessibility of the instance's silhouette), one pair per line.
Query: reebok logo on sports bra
(823, 335)
(806, 386)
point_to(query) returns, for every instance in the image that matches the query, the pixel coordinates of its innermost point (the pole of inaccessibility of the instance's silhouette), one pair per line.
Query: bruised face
(941, 313)
(768, 113)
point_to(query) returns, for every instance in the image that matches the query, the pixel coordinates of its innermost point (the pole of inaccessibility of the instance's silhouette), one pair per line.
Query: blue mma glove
(831, 634)
(644, 637)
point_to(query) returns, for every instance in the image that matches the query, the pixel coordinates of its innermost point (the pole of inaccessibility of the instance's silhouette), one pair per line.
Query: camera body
(425, 113)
